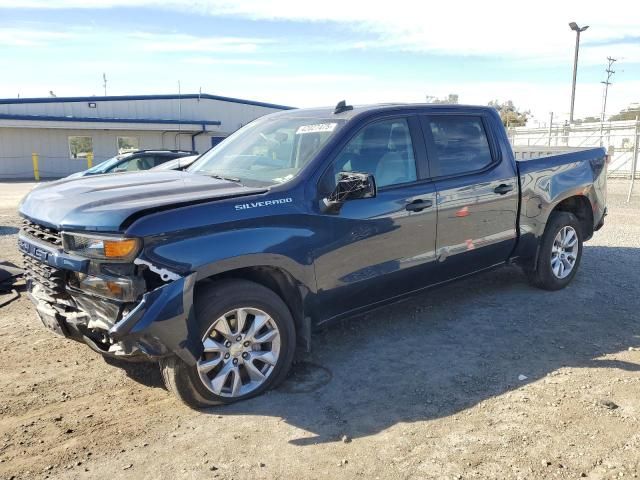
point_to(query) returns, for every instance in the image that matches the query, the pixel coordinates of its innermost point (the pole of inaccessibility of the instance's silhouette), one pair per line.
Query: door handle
(419, 205)
(503, 188)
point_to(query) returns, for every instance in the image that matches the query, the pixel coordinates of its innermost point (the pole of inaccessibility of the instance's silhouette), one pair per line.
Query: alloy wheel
(564, 252)
(241, 349)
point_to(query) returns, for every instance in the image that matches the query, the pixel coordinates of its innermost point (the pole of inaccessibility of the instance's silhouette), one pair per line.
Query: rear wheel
(248, 339)
(560, 252)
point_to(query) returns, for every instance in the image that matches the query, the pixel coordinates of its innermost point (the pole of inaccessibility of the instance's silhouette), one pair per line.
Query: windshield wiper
(224, 177)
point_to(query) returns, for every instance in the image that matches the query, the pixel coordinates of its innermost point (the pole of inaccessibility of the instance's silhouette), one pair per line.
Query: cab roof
(328, 112)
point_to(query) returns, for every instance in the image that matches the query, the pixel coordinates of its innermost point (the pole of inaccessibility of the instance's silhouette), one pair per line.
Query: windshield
(105, 166)
(268, 151)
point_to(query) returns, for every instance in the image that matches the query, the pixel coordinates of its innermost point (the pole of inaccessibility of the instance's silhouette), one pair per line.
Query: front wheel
(560, 252)
(248, 339)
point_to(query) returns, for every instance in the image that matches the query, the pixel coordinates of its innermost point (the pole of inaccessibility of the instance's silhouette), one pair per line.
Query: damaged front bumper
(161, 323)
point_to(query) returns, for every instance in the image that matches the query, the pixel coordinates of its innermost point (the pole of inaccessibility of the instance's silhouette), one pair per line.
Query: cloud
(189, 43)
(16, 37)
(458, 27)
(520, 35)
(227, 61)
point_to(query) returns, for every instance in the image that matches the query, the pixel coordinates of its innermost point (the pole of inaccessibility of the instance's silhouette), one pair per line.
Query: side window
(140, 163)
(133, 165)
(384, 149)
(155, 161)
(461, 144)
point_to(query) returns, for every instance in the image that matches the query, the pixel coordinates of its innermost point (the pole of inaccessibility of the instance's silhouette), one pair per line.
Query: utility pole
(574, 26)
(104, 83)
(606, 84)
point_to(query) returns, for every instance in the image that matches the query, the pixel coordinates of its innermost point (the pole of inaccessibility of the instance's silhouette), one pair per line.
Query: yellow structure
(36, 170)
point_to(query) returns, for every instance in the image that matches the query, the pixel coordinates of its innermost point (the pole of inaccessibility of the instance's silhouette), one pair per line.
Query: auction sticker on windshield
(316, 128)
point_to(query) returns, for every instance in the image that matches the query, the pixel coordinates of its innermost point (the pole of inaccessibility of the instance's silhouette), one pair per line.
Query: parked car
(181, 163)
(133, 161)
(300, 218)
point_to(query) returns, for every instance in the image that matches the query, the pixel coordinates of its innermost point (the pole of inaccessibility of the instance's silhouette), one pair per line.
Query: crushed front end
(99, 289)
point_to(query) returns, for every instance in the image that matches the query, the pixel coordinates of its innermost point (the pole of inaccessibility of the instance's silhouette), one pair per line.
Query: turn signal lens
(119, 248)
(121, 289)
(115, 289)
(100, 247)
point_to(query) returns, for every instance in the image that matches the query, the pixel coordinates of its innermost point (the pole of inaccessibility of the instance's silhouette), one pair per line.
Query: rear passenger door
(477, 193)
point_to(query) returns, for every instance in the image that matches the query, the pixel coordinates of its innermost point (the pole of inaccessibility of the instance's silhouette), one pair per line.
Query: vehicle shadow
(144, 372)
(451, 348)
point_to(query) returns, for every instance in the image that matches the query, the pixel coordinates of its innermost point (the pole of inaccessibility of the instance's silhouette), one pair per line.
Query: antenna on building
(104, 83)
(179, 113)
(606, 84)
(200, 94)
(51, 94)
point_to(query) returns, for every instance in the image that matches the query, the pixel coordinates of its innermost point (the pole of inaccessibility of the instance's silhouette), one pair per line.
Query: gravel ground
(485, 378)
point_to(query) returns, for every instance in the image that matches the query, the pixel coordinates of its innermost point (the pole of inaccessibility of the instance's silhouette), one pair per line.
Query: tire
(219, 305)
(543, 275)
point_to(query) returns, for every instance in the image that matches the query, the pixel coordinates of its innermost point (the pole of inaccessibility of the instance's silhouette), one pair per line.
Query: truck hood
(103, 202)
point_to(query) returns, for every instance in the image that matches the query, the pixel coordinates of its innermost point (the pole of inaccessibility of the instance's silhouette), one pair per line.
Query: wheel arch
(580, 206)
(528, 249)
(292, 292)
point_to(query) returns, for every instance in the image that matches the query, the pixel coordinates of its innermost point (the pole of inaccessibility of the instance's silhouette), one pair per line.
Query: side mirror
(351, 186)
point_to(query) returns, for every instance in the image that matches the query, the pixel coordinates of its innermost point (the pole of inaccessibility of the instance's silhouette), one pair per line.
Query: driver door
(378, 248)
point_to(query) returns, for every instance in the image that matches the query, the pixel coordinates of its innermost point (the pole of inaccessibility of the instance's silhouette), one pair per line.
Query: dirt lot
(431, 388)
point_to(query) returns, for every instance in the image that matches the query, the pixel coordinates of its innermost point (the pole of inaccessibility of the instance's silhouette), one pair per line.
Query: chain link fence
(620, 138)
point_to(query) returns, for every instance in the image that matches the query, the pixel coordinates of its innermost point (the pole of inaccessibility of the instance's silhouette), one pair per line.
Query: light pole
(574, 26)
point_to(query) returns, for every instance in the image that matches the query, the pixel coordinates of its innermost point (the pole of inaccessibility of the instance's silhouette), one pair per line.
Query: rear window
(155, 161)
(461, 144)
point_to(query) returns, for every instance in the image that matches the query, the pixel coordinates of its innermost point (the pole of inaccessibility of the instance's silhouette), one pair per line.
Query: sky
(304, 54)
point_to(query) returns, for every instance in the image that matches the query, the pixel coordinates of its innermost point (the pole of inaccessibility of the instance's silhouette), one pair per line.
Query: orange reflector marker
(119, 248)
(463, 212)
(114, 288)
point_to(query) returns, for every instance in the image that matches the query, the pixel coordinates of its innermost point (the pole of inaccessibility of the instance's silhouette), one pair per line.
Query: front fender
(282, 247)
(163, 322)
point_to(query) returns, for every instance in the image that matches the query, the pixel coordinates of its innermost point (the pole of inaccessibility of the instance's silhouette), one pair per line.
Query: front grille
(46, 235)
(50, 278)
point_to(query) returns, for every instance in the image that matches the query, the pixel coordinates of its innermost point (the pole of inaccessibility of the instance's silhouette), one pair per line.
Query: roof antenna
(342, 107)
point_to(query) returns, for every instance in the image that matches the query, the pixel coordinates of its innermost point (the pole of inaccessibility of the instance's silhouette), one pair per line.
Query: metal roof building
(66, 134)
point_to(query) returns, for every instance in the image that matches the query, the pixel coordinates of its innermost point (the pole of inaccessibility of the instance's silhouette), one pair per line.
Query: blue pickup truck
(299, 218)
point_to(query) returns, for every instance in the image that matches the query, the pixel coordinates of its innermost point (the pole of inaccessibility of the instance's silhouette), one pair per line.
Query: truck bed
(538, 151)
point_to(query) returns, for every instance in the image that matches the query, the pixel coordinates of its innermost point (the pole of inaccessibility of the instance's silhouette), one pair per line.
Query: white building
(66, 134)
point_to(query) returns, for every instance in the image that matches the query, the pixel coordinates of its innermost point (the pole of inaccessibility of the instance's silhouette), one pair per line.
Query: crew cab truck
(299, 218)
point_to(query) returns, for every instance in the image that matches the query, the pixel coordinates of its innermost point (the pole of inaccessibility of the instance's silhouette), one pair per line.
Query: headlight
(100, 247)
